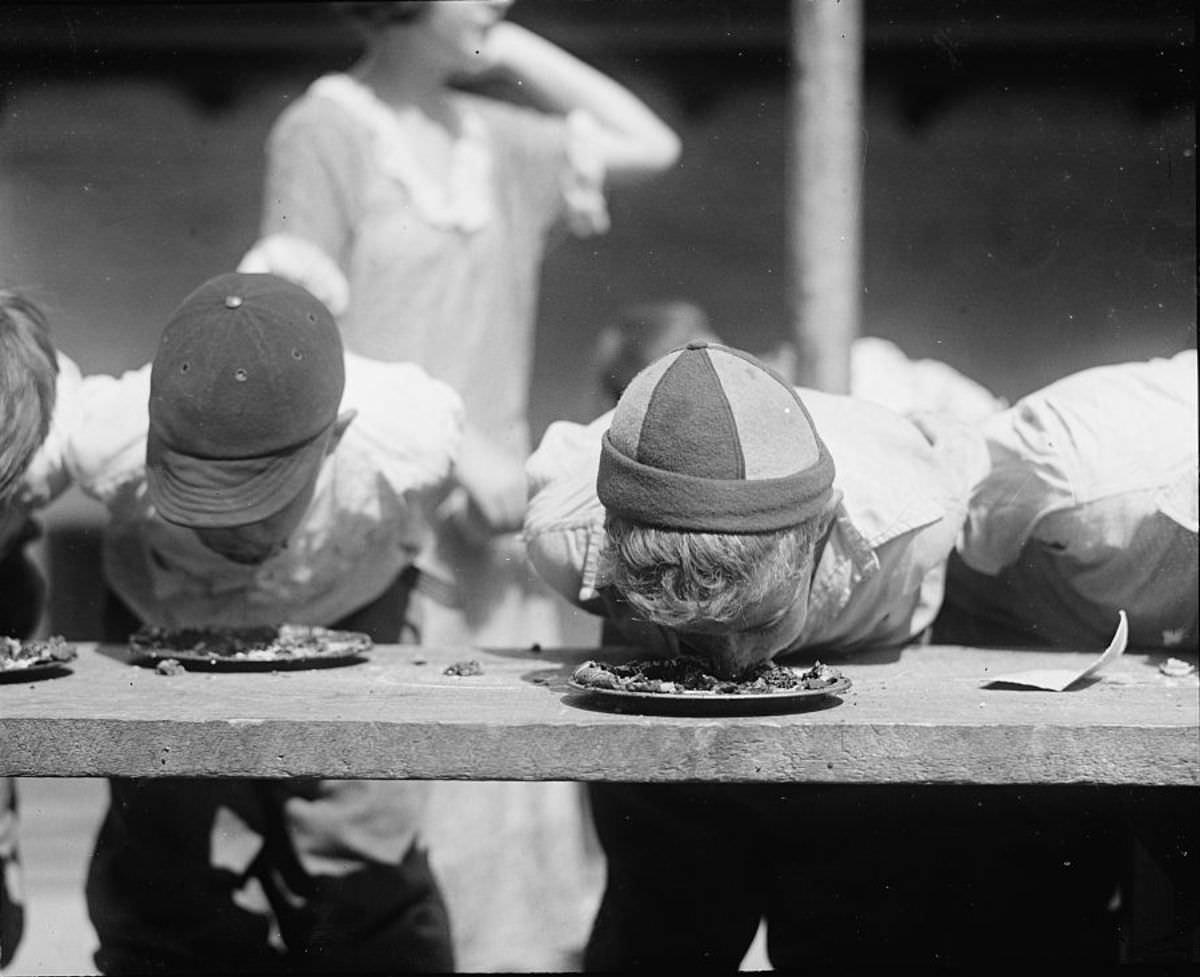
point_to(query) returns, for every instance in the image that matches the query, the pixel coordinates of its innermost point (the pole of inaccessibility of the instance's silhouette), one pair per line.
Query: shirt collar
(847, 561)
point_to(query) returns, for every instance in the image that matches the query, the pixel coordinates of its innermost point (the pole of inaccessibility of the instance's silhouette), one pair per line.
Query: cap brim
(217, 493)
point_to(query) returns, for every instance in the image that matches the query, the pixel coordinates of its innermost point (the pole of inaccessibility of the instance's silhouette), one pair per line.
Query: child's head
(438, 41)
(244, 396)
(718, 490)
(28, 375)
(370, 15)
(447, 30)
(640, 336)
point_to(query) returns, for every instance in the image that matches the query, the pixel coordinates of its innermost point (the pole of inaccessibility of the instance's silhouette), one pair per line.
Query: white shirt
(367, 521)
(1093, 487)
(881, 575)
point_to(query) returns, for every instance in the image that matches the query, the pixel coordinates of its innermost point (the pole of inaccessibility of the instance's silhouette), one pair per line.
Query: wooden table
(919, 715)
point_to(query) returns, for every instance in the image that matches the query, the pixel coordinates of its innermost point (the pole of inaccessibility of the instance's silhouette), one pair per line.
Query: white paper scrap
(1060, 679)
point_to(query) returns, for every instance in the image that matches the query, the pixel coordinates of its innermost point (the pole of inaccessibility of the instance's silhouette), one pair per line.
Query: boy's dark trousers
(927, 875)
(297, 875)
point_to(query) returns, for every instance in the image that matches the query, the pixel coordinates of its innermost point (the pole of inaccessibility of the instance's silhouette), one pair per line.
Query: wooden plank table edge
(914, 715)
(705, 751)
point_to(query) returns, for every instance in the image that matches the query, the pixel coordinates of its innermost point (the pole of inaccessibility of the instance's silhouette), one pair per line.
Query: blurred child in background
(879, 370)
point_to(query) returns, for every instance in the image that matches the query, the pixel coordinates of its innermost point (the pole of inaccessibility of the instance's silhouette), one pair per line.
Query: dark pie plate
(36, 671)
(715, 703)
(248, 650)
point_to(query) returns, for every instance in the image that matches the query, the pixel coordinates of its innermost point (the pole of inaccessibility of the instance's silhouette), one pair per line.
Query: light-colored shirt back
(1094, 486)
(368, 520)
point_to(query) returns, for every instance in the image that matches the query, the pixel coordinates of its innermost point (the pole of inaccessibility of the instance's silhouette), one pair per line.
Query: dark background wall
(1029, 173)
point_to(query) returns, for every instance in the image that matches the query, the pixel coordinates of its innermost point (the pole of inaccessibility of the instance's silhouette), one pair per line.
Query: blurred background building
(1029, 172)
(1029, 185)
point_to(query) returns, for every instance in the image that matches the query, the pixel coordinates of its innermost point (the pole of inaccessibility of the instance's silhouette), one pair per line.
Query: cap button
(697, 344)
(232, 301)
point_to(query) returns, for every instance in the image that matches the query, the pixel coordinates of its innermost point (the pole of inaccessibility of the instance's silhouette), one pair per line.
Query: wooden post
(824, 185)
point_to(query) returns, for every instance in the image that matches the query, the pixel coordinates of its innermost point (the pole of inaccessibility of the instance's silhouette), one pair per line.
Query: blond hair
(674, 578)
(28, 377)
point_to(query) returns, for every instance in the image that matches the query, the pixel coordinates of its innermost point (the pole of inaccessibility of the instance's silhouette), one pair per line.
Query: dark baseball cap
(244, 389)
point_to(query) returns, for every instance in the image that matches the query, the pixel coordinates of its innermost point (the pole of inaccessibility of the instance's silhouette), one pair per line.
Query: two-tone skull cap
(709, 439)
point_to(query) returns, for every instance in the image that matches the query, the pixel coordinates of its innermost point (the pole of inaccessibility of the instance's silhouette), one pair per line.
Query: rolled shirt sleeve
(564, 523)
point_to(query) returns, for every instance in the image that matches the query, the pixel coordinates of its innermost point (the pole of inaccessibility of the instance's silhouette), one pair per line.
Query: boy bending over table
(1089, 508)
(37, 385)
(720, 513)
(272, 479)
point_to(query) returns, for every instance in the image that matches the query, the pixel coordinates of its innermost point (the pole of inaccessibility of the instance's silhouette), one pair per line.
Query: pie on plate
(285, 646)
(669, 682)
(21, 659)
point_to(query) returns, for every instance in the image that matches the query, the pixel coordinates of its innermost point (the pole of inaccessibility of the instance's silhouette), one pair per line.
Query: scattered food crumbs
(1176, 667)
(169, 666)
(464, 668)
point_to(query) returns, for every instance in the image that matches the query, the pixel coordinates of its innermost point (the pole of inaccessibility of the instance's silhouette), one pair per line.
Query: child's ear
(339, 428)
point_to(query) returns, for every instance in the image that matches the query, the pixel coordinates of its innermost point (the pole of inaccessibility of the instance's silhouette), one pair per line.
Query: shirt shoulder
(1086, 444)
(317, 129)
(105, 439)
(1094, 428)
(406, 423)
(892, 479)
(317, 110)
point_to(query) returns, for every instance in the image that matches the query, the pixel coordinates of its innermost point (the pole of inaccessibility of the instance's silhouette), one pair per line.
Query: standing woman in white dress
(420, 213)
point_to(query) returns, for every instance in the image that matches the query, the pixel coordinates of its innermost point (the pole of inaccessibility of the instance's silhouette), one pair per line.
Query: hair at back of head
(674, 578)
(28, 375)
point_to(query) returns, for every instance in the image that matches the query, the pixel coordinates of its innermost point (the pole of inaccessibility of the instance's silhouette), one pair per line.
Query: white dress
(445, 274)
